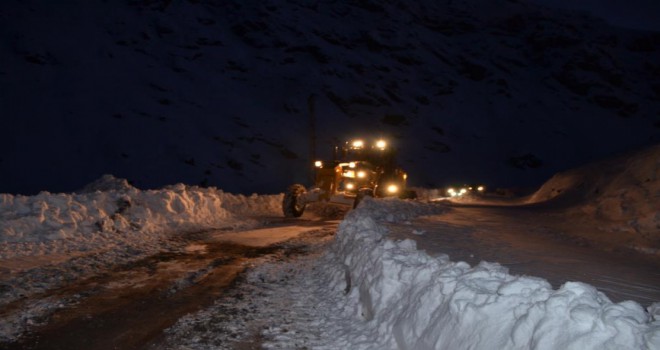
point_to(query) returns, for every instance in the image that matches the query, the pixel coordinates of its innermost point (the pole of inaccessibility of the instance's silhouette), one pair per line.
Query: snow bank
(49, 240)
(121, 216)
(405, 299)
(95, 218)
(622, 193)
(621, 188)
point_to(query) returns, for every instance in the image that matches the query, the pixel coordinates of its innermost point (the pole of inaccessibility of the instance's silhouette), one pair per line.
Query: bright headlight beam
(318, 164)
(357, 144)
(361, 174)
(381, 144)
(392, 188)
(350, 186)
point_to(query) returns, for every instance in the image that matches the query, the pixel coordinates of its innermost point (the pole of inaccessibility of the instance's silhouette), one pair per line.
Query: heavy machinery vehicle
(358, 169)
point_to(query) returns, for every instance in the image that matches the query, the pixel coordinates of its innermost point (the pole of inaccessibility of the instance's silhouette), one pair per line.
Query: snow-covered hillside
(620, 195)
(218, 92)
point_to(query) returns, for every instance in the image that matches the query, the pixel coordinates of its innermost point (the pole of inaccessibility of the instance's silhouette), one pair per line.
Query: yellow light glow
(481, 188)
(405, 176)
(351, 165)
(392, 188)
(358, 144)
(349, 173)
(318, 164)
(361, 174)
(350, 186)
(381, 144)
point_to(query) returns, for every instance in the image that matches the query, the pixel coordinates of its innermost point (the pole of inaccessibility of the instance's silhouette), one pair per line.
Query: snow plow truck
(358, 169)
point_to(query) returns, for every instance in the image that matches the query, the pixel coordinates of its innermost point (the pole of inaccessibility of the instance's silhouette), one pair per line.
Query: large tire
(292, 205)
(367, 192)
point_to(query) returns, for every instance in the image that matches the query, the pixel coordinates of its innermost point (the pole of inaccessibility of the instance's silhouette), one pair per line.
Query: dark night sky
(636, 14)
(219, 95)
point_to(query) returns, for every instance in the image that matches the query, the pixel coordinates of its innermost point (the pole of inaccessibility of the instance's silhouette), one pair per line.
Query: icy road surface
(129, 307)
(534, 243)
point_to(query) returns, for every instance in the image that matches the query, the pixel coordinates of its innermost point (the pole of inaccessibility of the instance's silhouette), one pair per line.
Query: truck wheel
(360, 196)
(292, 205)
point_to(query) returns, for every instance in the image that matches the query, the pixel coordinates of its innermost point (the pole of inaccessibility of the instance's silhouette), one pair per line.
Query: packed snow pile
(106, 183)
(400, 297)
(95, 218)
(623, 190)
(51, 239)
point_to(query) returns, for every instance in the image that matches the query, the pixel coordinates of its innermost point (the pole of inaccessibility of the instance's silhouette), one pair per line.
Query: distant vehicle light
(350, 186)
(349, 173)
(392, 189)
(357, 144)
(318, 164)
(453, 192)
(481, 188)
(351, 165)
(381, 144)
(361, 174)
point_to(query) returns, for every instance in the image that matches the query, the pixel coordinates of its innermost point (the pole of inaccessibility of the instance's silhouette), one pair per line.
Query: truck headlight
(349, 173)
(381, 144)
(361, 174)
(392, 189)
(350, 186)
(357, 144)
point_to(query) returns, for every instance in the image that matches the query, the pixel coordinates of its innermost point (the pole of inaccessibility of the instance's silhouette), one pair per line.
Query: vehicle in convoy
(465, 189)
(358, 169)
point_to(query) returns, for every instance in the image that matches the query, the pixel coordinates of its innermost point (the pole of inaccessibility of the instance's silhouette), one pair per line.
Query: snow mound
(51, 239)
(402, 298)
(109, 211)
(624, 190)
(106, 183)
(115, 208)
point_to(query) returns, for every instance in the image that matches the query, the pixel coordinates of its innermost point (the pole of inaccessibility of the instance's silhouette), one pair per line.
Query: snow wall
(623, 190)
(51, 239)
(109, 210)
(410, 300)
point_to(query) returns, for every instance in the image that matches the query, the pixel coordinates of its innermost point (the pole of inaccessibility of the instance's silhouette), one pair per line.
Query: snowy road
(196, 268)
(535, 243)
(129, 307)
